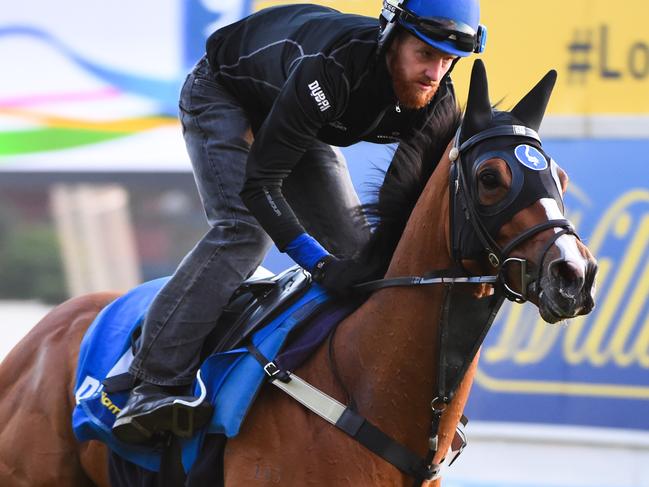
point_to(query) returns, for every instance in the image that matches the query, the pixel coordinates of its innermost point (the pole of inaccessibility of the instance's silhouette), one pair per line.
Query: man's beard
(408, 92)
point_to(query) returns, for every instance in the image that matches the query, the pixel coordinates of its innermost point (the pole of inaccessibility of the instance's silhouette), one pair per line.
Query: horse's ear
(478, 115)
(531, 108)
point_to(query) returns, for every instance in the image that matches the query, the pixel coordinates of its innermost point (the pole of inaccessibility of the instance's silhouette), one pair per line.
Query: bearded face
(416, 69)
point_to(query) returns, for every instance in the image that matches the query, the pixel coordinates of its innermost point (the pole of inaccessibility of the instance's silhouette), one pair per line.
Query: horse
(384, 357)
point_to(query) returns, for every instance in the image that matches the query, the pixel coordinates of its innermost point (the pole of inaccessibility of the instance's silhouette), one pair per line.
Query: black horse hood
(511, 136)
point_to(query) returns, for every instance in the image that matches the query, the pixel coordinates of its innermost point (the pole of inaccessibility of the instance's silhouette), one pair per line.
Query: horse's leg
(37, 445)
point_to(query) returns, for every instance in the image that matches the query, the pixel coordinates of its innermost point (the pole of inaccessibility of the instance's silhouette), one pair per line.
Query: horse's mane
(393, 201)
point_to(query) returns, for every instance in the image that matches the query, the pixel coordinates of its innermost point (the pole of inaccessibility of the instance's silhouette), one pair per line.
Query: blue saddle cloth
(232, 379)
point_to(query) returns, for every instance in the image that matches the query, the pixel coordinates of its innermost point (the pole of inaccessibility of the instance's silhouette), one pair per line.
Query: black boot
(152, 410)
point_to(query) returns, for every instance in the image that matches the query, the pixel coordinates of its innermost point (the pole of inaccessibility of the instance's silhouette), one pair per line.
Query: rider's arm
(315, 94)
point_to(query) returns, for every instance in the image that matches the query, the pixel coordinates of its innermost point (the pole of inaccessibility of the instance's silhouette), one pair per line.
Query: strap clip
(434, 472)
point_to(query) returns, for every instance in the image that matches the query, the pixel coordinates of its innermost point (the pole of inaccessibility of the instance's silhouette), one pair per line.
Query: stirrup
(185, 419)
(186, 415)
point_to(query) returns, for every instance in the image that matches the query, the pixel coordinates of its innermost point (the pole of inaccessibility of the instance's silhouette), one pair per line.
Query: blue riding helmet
(452, 26)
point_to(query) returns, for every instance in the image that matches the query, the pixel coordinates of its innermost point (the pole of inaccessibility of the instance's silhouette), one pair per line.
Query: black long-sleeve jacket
(305, 73)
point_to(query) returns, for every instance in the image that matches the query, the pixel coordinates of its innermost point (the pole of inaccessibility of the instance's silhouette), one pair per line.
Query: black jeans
(218, 137)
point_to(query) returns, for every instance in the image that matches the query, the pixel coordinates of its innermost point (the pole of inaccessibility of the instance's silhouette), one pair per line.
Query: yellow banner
(601, 51)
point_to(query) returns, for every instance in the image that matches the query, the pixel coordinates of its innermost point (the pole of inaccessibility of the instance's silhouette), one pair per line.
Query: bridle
(465, 319)
(467, 216)
(499, 258)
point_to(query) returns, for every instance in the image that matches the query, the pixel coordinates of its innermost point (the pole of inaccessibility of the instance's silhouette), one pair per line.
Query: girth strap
(381, 444)
(349, 421)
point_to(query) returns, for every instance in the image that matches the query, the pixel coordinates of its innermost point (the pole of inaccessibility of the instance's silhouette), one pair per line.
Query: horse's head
(507, 205)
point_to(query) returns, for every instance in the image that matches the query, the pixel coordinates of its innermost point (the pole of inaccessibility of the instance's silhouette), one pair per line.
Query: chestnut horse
(385, 353)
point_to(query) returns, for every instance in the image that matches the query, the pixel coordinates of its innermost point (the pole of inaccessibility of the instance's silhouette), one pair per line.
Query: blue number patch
(531, 157)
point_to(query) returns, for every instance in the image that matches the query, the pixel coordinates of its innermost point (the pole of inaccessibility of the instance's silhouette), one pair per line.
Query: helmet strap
(453, 63)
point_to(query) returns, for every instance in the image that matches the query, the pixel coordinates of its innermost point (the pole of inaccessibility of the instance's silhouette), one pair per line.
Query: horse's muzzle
(567, 290)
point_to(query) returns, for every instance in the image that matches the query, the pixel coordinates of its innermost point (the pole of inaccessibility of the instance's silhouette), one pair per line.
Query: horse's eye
(489, 179)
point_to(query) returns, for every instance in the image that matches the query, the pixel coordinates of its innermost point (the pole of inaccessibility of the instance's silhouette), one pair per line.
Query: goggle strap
(481, 39)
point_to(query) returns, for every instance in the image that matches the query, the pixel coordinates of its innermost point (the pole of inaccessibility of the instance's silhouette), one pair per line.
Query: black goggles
(461, 35)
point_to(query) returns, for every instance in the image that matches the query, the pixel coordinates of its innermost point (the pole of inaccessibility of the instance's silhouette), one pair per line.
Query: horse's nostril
(568, 274)
(589, 284)
(591, 272)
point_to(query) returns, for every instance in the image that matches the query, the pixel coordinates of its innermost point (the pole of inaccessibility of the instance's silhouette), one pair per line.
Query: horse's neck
(387, 349)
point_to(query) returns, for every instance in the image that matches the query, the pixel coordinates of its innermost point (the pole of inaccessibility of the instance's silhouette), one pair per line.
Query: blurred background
(96, 193)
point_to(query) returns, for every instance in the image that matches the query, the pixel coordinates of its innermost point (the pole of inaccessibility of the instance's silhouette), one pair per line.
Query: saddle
(254, 304)
(284, 318)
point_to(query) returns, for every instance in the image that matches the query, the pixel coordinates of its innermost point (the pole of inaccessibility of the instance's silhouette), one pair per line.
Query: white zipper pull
(397, 108)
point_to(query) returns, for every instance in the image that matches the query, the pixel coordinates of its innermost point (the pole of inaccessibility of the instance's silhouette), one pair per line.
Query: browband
(501, 130)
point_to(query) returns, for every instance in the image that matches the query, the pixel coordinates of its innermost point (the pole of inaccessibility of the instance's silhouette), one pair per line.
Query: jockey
(261, 113)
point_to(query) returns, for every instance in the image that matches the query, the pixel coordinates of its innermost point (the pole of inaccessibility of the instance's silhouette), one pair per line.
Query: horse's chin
(553, 307)
(549, 310)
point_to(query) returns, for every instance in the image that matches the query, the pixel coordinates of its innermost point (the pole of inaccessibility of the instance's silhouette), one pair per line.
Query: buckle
(525, 280)
(271, 369)
(274, 372)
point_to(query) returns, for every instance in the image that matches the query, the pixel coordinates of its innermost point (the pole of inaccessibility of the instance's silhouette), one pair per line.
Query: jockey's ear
(563, 179)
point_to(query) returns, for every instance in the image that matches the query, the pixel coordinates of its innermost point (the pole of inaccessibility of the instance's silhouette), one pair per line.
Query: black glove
(336, 275)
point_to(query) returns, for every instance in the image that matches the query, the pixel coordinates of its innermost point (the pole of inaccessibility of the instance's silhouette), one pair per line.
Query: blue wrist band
(306, 251)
